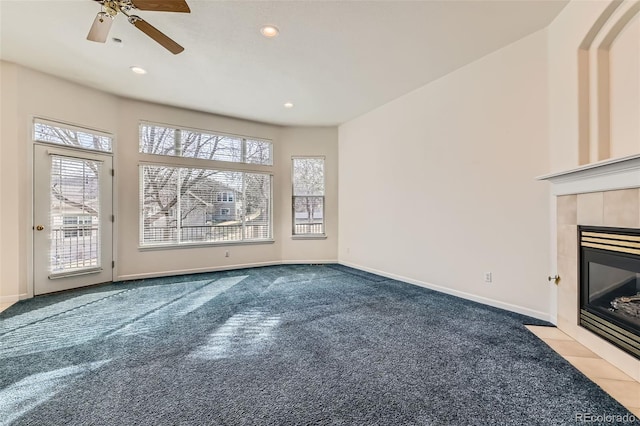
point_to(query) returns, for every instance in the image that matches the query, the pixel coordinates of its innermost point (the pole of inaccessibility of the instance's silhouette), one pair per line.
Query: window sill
(309, 237)
(203, 245)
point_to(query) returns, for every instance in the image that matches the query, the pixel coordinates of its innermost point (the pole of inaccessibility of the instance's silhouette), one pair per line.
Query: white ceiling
(334, 60)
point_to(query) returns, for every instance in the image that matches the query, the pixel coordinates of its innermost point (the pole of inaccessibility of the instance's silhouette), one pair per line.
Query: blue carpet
(282, 345)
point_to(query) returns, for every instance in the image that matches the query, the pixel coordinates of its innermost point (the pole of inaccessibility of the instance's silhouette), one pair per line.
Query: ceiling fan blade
(162, 5)
(100, 28)
(157, 35)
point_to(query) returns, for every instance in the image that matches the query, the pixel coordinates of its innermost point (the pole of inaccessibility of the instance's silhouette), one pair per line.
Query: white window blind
(183, 205)
(75, 211)
(179, 142)
(63, 134)
(308, 196)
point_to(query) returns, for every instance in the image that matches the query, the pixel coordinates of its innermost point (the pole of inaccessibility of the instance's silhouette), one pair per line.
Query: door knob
(555, 279)
(39, 228)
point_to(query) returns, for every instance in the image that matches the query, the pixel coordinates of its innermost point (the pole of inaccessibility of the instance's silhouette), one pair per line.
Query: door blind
(74, 221)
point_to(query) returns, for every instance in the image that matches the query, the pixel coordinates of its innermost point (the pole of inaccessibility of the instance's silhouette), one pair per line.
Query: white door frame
(45, 283)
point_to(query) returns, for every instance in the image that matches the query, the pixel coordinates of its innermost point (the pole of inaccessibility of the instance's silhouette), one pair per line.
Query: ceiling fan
(110, 8)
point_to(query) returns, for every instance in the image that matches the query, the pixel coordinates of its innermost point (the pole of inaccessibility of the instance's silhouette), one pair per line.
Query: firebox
(610, 285)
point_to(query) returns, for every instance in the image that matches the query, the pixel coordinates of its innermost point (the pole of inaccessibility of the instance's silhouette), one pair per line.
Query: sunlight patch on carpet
(23, 396)
(18, 321)
(179, 307)
(246, 333)
(294, 278)
(98, 318)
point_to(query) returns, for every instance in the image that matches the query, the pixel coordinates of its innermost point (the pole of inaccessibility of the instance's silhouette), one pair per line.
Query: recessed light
(288, 105)
(269, 31)
(138, 70)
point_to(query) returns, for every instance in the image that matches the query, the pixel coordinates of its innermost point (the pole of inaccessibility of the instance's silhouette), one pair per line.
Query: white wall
(27, 93)
(438, 186)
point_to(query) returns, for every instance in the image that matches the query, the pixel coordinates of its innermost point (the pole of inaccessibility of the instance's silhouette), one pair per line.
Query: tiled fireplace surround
(608, 207)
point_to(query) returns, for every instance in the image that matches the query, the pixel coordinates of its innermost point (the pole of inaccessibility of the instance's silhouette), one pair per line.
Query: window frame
(221, 195)
(188, 162)
(36, 120)
(178, 133)
(308, 236)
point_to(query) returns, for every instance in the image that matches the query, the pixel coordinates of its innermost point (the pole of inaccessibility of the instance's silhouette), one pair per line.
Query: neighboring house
(227, 206)
(224, 205)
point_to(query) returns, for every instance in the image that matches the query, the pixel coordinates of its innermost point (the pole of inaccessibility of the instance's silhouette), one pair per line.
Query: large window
(179, 142)
(308, 196)
(181, 205)
(186, 202)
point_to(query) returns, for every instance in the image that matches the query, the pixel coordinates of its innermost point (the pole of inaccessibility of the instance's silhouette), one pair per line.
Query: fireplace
(610, 285)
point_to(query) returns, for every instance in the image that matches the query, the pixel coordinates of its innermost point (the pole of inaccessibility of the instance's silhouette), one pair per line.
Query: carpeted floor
(281, 345)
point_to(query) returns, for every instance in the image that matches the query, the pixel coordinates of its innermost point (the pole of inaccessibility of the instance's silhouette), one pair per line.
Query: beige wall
(573, 30)
(438, 185)
(135, 263)
(565, 36)
(27, 93)
(9, 217)
(304, 141)
(625, 91)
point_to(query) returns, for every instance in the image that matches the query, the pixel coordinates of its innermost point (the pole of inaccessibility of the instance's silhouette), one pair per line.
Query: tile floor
(613, 381)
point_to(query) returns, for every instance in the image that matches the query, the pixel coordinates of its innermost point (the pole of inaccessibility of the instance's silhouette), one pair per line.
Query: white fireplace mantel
(607, 175)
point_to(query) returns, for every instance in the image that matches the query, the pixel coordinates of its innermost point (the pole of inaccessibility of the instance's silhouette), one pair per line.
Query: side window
(308, 196)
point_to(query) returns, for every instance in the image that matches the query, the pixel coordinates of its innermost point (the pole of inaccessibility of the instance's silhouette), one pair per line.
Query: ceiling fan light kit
(110, 8)
(100, 28)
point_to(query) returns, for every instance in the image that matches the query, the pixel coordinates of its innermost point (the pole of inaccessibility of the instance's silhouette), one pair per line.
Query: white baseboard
(475, 298)
(308, 262)
(13, 298)
(130, 277)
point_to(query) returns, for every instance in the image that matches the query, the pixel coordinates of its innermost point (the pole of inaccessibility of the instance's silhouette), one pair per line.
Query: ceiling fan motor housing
(100, 28)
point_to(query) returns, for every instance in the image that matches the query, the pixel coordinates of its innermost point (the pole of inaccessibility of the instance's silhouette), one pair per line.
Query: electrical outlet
(226, 253)
(488, 277)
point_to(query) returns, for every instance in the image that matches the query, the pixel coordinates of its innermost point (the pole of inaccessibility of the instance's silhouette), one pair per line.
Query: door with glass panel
(72, 218)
